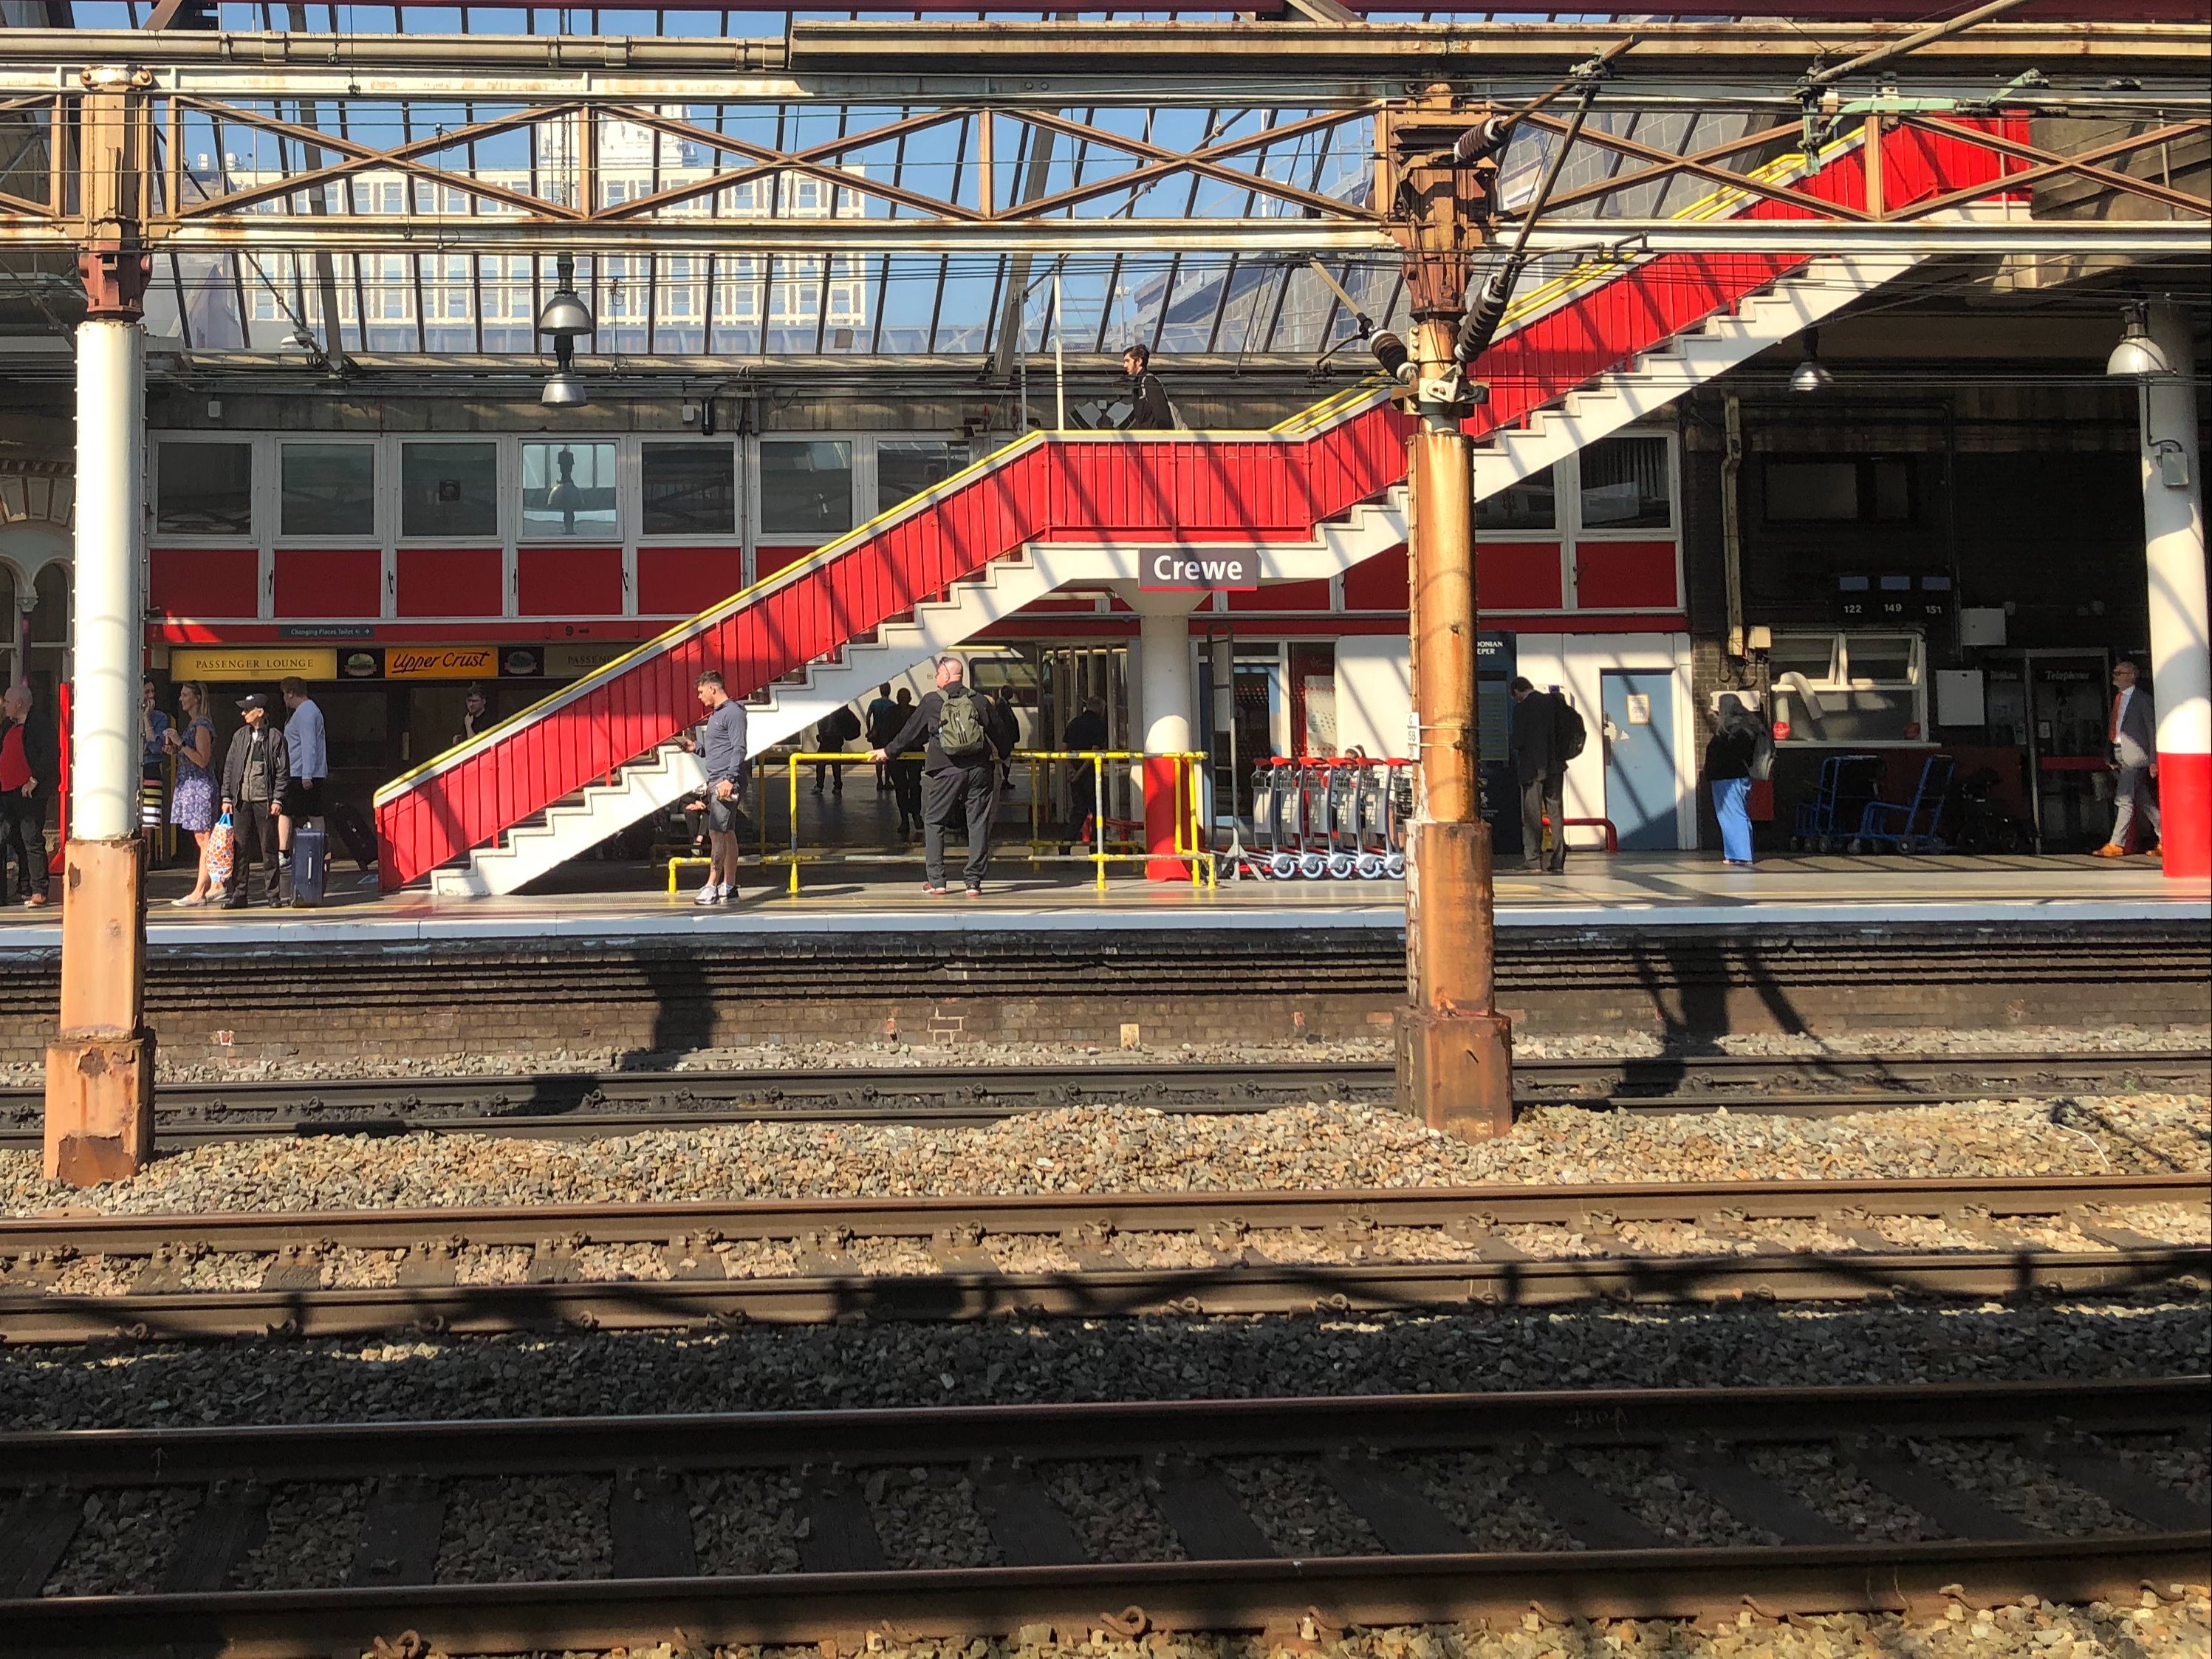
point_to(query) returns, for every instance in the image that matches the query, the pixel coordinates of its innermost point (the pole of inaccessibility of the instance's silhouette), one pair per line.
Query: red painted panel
(1381, 583)
(1625, 575)
(205, 581)
(1283, 595)
(767, 561)
(568, 582)
(325, 581)
(1517, 576)
(465, 581)
(682, 581)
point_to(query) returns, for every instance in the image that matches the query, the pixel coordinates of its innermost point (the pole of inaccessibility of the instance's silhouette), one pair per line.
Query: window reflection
(568, 488)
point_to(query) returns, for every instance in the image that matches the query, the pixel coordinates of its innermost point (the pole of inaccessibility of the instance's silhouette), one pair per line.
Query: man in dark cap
(255, 771)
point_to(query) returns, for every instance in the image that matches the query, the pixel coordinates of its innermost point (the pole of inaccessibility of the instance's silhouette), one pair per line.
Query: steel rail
(1053, 1213)
(575, 1105)
(823, 1284)
(1366, 1449)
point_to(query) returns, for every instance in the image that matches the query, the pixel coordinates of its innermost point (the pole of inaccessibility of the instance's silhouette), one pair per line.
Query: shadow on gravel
(1248, 1287)
(2073, 1114)
(757, 1365)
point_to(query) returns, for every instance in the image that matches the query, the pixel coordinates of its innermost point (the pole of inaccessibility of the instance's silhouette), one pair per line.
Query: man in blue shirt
(722, 753)
(308, 749)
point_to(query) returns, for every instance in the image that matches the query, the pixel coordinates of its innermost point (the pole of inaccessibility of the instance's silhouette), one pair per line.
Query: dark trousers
(1545, 798)
(971, 791)
(23, 837)
(254, 822)
(1082, 796)
(906, 789)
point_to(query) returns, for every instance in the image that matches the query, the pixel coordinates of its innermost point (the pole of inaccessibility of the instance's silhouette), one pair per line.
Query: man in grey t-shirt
(722, 753)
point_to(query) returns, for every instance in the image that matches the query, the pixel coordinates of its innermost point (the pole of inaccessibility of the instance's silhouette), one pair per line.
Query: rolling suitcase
(311, 864)
(346, 821)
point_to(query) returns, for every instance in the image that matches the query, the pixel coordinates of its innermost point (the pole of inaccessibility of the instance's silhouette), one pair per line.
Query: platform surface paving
(1632, 890)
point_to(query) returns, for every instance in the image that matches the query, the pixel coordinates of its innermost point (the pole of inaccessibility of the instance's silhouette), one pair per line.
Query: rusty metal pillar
(1455, 1048)
(100, 1068)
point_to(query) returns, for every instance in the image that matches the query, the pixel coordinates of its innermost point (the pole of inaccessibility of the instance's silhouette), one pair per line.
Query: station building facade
(1941, 555)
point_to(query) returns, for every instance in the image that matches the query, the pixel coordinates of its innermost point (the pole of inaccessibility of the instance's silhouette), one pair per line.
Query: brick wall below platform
(1241, 987)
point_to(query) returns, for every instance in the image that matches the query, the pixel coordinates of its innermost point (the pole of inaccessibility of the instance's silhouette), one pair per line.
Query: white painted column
(2173, 548)
(1163, 694)
(111, 447)
(1162, 718)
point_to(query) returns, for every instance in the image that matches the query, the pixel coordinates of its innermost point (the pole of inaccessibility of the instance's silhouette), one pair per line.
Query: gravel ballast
(759, 1368)
(2163, 1622)
(1090, 1149)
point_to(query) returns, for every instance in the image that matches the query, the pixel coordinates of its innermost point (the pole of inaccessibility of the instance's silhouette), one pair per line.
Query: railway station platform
(1676, 947)
(1632, 891)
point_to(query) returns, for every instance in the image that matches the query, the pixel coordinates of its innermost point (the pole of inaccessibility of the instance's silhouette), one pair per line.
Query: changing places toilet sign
(1199, 570)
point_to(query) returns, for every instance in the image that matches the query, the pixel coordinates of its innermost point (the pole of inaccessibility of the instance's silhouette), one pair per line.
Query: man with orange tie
(2133, 734)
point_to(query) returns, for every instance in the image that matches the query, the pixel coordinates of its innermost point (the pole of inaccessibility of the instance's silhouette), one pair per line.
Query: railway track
(581, 1105)
(810, 1260)
(1300, 1516)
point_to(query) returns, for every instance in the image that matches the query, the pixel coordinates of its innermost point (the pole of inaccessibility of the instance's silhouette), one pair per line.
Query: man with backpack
(968, 735)
(1547, 733)
(1149, 408)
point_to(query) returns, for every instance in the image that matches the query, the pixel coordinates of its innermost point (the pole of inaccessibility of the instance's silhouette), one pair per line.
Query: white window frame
(1577, 533)
(871, 494)
(634, 490)
(1841, 682)
(380, 503)
(260, 501)
(1568, 531)
(505, 476)
(863, 486)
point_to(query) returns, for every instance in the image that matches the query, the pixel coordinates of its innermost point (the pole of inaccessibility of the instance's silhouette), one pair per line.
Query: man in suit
(2133, 733)
(1542, 770)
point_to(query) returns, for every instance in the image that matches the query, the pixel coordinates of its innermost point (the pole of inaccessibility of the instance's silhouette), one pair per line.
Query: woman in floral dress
(192, 802)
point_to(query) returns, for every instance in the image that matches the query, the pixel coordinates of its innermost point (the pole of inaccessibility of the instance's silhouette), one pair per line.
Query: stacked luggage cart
(1333, 817)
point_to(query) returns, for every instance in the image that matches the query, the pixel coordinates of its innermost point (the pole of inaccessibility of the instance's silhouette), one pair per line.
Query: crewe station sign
(1200, 570)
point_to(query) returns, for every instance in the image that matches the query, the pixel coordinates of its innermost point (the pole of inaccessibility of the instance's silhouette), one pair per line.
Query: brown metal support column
(1455, 1049)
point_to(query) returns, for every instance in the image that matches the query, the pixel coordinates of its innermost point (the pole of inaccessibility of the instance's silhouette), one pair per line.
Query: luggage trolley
(1274, 804)
(1338, 818)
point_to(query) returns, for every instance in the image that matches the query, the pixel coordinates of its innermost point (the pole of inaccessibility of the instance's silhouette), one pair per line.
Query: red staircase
(1262, 487)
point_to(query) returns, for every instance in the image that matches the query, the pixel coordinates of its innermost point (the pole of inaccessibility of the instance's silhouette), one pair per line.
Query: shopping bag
(222, 852)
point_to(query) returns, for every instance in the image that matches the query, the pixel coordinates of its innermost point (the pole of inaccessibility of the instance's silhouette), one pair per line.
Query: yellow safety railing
(1189, 830)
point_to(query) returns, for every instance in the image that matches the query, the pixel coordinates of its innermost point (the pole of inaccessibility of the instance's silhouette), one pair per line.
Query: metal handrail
(1190, 833)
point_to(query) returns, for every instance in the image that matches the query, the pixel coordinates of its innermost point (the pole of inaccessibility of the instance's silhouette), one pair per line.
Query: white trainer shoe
(710, 893)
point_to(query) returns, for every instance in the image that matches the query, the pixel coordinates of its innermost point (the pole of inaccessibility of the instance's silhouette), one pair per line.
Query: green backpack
(961, 732)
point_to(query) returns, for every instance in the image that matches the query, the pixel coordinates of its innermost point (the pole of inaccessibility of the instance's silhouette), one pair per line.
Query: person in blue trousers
(1732, 758)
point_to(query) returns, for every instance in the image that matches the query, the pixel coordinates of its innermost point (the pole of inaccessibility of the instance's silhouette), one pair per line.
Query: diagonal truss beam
(768, 161)
(1665, 162)
(1701, 161)
(365, 158)
(1165, 163)
(2051, 164)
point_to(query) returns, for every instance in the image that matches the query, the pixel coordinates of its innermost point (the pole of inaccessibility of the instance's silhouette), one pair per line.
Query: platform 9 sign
(1199, 570)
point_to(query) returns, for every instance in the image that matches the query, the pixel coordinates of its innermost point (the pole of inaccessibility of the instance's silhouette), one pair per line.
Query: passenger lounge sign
(1199, 570)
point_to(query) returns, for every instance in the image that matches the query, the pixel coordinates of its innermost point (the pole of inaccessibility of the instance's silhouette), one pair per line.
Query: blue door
(1639, 733)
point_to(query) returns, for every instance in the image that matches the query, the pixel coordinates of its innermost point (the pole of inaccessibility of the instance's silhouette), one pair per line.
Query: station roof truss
(793, 196)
